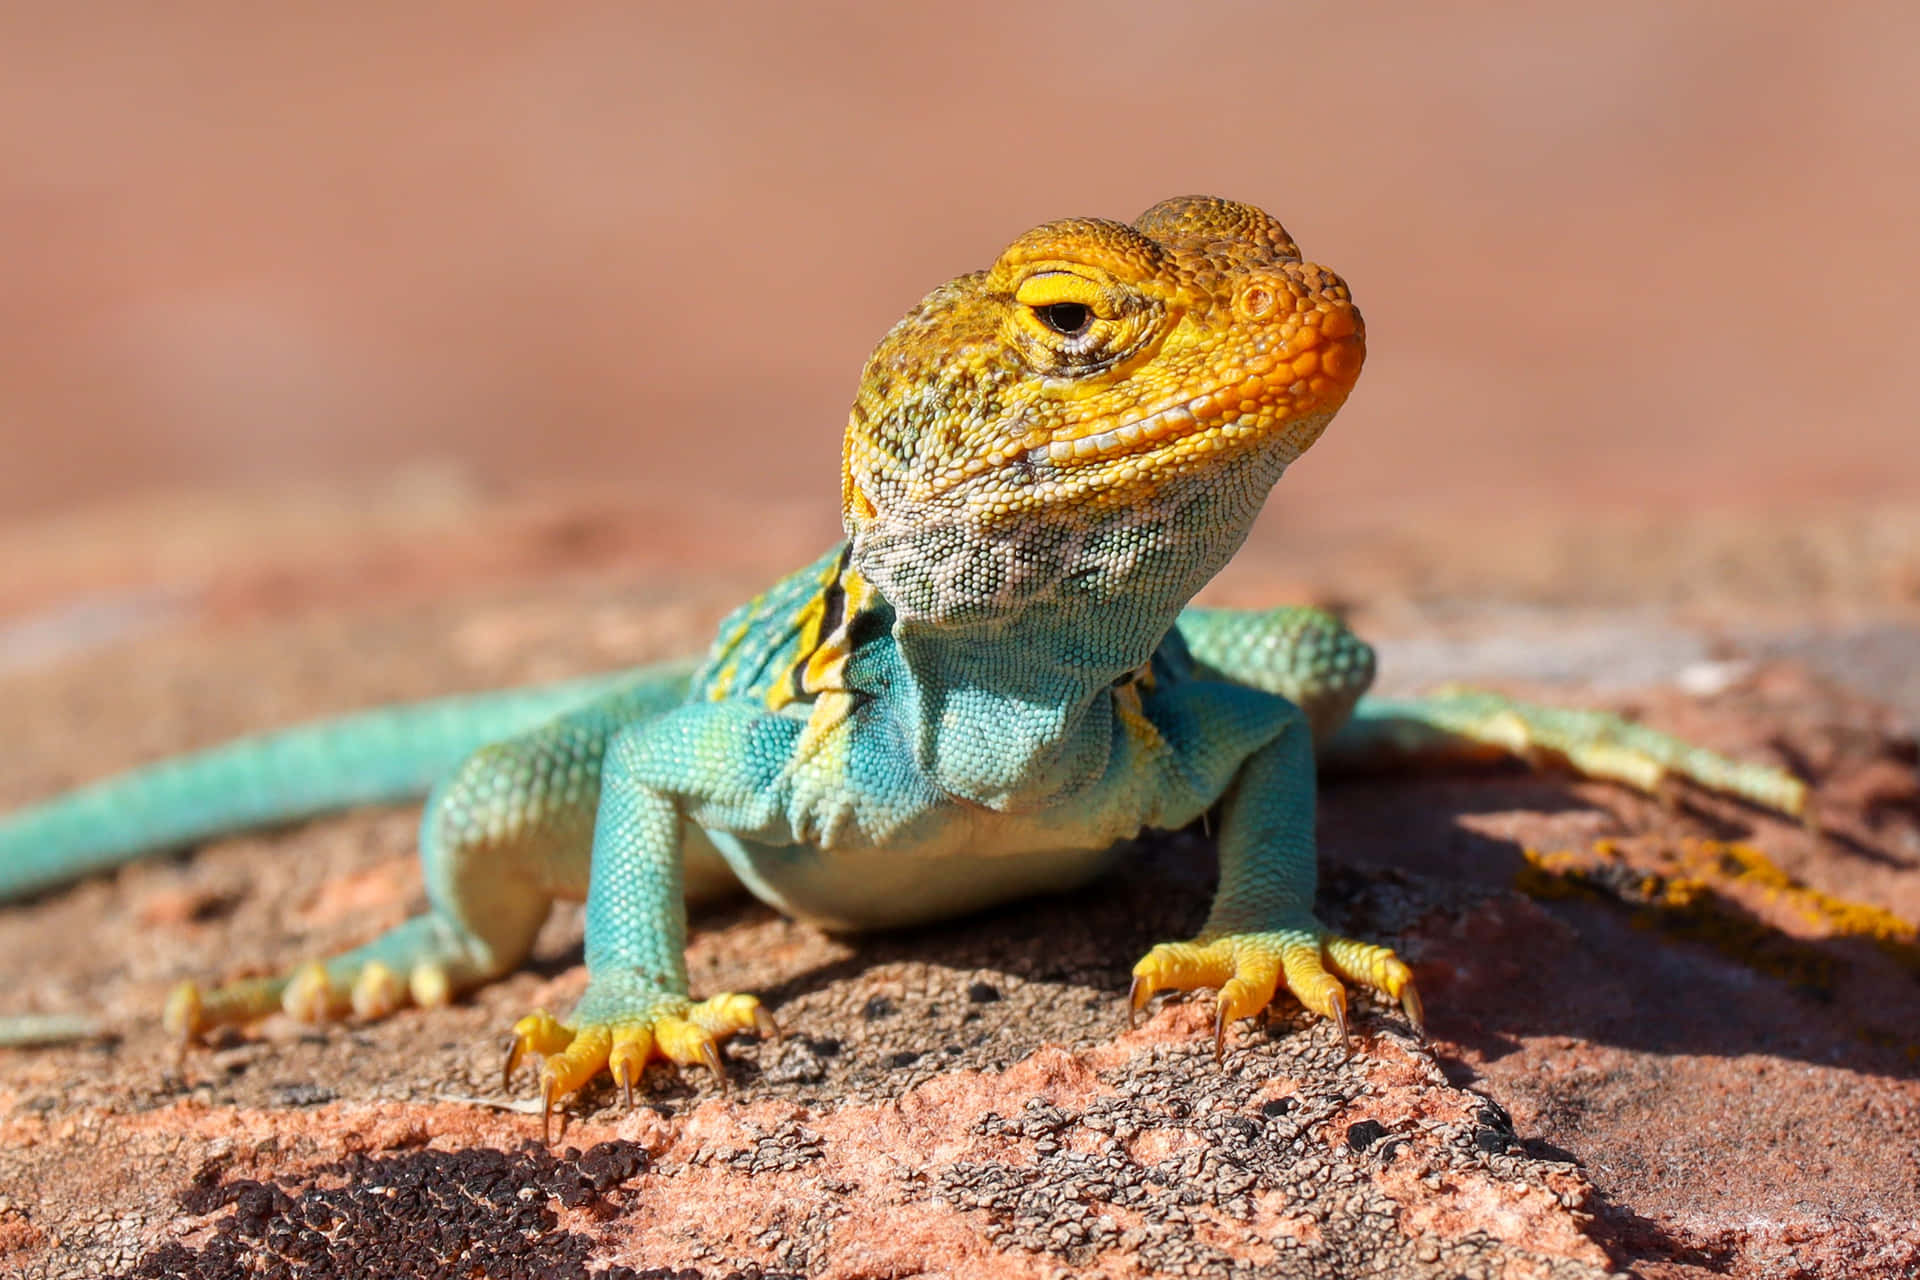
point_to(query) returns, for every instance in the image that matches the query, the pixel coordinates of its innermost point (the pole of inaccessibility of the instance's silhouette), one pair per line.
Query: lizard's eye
(1068, 319)
(1071, 323)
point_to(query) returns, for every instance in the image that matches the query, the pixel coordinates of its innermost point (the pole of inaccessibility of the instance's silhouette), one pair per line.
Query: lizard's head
(1098, 388)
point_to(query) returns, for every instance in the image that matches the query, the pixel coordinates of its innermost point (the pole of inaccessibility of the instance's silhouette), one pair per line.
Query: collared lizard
(987, 690)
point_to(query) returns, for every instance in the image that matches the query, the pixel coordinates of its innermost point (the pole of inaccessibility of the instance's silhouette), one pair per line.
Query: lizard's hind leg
(1314, 660)
(1458, 723)
(508, 833)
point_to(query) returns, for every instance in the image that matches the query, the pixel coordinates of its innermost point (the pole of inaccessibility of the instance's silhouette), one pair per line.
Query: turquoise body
(955, 774)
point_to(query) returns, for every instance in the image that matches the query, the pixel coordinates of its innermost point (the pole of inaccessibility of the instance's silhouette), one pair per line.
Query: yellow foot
(313, 993)
(660, 1025)
(1249, 967)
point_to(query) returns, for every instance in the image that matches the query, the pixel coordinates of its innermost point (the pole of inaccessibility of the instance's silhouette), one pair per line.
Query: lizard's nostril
(1257, 300)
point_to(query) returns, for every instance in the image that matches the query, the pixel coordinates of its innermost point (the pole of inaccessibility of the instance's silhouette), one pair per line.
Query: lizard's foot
(619, 1031)
(1249, 967)
(423, 962)
(313, 993)
(1599, 744)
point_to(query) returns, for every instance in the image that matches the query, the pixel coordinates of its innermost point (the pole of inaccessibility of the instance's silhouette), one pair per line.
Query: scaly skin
(991, 685)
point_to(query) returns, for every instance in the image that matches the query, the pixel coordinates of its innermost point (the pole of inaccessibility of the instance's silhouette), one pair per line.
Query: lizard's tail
(391, 754)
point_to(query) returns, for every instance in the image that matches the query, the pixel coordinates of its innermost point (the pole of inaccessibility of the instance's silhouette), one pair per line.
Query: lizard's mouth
(1175, 422)
(1269, 397)
(1302, 380)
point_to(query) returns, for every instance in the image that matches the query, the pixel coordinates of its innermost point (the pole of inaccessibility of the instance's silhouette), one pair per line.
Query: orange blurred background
(1624, 256)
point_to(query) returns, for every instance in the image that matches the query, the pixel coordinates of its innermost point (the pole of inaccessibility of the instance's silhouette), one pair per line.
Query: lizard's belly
(881, 847)
(882, 887)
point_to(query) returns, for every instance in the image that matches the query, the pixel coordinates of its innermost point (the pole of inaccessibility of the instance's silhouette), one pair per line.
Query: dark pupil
(1068, 318)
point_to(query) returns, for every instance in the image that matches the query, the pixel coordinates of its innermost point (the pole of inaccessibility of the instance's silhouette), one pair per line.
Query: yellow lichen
(1712, 891)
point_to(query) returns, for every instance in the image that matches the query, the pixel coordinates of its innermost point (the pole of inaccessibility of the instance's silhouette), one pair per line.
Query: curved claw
(764, 1026)
(1337, 1015)
(1139, 991)
(1415, 1011)
(516, 1050)
(547, 1092)
(627, 1059)
(710, 1058)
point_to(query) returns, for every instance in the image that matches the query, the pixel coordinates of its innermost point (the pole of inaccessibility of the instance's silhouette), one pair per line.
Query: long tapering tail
(390, 754)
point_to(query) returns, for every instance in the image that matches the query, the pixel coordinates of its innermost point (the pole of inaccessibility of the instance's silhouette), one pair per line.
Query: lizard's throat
(1010, 637)
(1099, 579)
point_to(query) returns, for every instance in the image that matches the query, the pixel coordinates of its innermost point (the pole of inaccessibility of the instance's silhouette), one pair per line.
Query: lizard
(988, 689)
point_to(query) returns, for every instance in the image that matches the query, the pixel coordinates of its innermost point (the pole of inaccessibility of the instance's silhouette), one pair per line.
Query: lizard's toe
(327, 992)
(377, 992)
(539, 1032)
(1367, 964)
(185, 1014)
(430, 985)
(309, 997)
(191, 1010)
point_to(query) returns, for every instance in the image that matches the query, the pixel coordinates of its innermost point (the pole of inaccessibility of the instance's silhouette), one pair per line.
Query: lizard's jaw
(1271, 410)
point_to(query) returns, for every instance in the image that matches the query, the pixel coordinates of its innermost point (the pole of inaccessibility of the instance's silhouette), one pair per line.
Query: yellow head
(1098, 385)
(1094, 361)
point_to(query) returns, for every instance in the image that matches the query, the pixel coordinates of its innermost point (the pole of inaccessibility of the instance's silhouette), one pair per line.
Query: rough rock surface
(1674, 1039)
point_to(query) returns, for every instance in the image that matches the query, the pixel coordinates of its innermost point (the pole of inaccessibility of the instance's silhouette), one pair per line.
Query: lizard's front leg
(723, 756)
(1261, 932)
